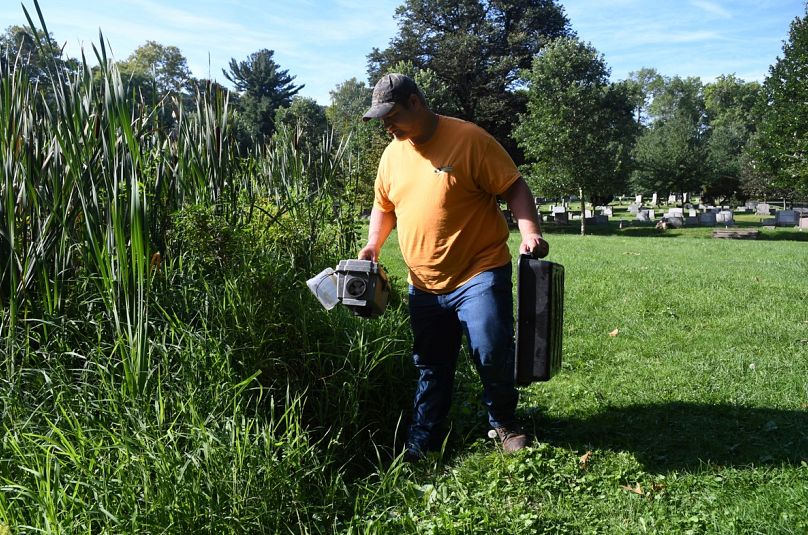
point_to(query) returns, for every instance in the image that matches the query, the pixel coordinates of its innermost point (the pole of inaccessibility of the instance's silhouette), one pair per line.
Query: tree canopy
(578, 128)
(779, 152)
(478, 48)
(264, 88)
(670, 153)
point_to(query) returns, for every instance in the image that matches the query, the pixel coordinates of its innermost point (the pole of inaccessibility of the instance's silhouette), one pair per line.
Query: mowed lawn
(682, 404)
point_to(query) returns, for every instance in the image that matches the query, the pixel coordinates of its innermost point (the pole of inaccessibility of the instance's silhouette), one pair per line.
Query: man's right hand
(369, 252)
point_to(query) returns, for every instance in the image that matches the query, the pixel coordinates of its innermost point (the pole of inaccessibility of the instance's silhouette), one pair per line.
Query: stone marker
(676, 222)
(725, 217)
(633, 208)
(707, 219)
(654, 199)
(763, 209)
(786, 218)
(803, 223)
(643, 215)
(692, 221)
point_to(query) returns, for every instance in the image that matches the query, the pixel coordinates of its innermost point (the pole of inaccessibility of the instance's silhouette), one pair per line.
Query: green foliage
(778, 158)
(729, 103)
(364, 141)
(307, 119)
(577, 132)
(644, 85)
(264, 88)
(477, 48)
(670, 154)
(165, 65)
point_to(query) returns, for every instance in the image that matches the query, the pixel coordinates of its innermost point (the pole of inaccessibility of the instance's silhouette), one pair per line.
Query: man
(438, 182)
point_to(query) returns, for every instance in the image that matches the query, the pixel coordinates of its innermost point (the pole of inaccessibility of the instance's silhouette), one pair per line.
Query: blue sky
(324, 43)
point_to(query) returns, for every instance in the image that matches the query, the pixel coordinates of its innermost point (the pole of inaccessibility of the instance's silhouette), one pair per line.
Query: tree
(670, 154)
(37, 54)
(164, 65)
(729, 102)
(779, 153)
(365, 140)
(264, 87)
(578, 129)
(307, 119)
(644, 85)
(478, 49)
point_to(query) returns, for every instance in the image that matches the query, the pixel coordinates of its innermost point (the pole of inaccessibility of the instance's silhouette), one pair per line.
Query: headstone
(725, 217)
(672, 198)
(676, 212)
(786, 218)
(654, 199)
(638, 199)
(686, 196)
(675, 222)
(643, 215)
(588, 213)
(561, 218)
(707, 219)
(600, 219)
(752, 205)
(803, 223)
(692, 212)
(763, 209)
(559, 210)
(692, 221)
(606, 210)
(633, 208)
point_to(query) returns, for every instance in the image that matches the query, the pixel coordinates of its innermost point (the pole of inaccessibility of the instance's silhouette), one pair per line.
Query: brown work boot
(512, 437)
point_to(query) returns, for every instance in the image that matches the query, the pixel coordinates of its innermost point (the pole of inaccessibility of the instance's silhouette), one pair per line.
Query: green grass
(691, 419)
(204, 390)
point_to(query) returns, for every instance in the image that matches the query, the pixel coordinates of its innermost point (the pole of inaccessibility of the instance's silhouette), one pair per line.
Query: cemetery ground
(681, 407)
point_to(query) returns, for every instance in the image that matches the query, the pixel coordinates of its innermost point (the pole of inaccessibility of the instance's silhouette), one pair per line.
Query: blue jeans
(482, 309)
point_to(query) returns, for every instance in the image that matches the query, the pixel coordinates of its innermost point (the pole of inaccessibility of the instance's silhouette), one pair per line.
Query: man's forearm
(520, 201)
(381, 224)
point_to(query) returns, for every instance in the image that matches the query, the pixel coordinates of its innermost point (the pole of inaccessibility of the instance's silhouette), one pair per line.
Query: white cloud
(712, 7)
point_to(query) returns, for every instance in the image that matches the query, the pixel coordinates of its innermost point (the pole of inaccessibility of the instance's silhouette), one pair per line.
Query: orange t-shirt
(443, 193)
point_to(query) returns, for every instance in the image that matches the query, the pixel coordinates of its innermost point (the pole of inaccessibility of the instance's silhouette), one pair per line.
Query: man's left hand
(534, 245)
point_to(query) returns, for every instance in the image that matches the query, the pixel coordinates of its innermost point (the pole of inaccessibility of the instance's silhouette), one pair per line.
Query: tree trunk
(583, 211)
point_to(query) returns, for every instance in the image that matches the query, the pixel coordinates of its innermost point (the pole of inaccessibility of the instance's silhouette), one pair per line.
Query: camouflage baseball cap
(391, 88)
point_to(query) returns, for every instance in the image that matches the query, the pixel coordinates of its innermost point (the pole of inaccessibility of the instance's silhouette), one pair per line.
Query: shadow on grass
(683, 436)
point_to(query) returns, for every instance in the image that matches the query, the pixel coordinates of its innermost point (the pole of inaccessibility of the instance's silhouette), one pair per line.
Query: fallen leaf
(636, 489)
(584, 460)
(614, 332)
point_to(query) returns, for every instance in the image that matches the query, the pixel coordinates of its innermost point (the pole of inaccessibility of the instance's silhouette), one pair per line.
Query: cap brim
(378, 111)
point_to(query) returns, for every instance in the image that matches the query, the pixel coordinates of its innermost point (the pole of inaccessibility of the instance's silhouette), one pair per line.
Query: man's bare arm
(381, 224)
